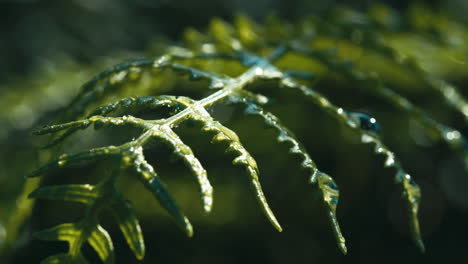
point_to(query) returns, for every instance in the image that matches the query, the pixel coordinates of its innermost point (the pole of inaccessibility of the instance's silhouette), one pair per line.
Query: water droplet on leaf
(365, 121)
(144, 100)
(194, 76)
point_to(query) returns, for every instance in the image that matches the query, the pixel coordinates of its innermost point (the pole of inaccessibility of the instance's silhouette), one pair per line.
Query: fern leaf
(252, 103)
(126, 106)
(244, 158)
(108, 81)
(184, 151)
(326, 184)
(452, 96)
(133, 104)
(75, 234)
(330, 196)
(450, 136)
(64, 232)
(367, 136)
(89, 92)
(376, 41)
(100, 240)
(225, 43)
(82, 193)
(129, 226)
(67, 160)
(136, 162)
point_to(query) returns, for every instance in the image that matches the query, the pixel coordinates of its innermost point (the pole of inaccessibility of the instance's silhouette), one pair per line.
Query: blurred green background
(49, 48)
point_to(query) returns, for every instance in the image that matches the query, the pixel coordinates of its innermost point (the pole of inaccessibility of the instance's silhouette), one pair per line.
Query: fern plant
(232, 61)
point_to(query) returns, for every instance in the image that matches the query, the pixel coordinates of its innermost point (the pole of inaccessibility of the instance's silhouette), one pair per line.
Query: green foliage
(232, 61)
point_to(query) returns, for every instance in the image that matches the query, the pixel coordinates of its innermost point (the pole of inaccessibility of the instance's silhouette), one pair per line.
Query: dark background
(371, 213)
(35, 30)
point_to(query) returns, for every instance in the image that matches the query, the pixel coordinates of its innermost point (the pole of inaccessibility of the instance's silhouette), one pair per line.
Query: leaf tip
(420, 244)
(279, 228)
(140, 254)
(343, 248)
(188, 227)
(274, 221)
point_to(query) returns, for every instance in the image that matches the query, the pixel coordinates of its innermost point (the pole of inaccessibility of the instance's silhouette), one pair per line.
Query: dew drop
(452, 135)
(194, 76)
(118, 77)
(160, 61)
(259, 71)
(390, 161)
(366, 138)
(365, 121)
(216, 84)
(333, 185)
(134, 73)
(208, 48)
(287, 82)
(127, 102)
(340, 111)
(144, 100)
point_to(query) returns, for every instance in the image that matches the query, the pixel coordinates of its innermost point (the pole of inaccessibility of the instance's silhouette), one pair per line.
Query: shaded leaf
(327, 186)
(73, 192)
(151, 181)
(64, 232)
(67, 160)
(185, 152)
(100, 240)
(368, 138)
(130, 227)
(330, 196)
(243, 158)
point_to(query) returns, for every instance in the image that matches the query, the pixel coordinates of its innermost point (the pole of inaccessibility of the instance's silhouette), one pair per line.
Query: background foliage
(49, 48)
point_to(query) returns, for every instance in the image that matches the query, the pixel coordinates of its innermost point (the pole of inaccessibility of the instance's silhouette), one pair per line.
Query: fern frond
(130, 157)
(80, 193)
(243, 158)
(411, 190)
(258, 59)
(135, 161)
(108, 81)
(100, 240)
(130, 227)
(452, 137)
(87, 194)
(126, 105)
(326, 184)
(376, 41)
(76, 234)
